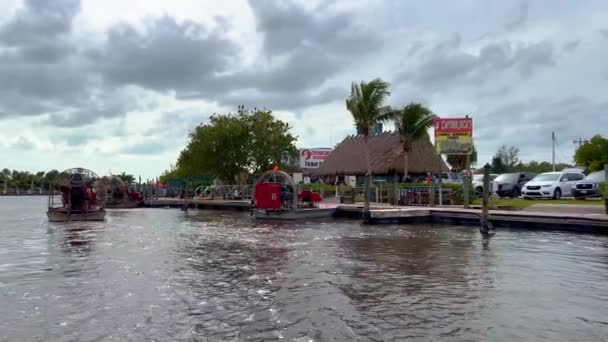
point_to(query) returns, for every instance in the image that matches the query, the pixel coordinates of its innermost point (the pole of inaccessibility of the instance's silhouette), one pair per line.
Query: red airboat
(274, 199)
(75, 197)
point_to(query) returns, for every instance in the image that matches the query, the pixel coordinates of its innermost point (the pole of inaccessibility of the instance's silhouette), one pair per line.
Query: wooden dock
(239, 205)
(575, 221)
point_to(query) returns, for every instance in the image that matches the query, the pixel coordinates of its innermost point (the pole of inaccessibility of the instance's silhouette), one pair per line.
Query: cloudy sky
(114, 84)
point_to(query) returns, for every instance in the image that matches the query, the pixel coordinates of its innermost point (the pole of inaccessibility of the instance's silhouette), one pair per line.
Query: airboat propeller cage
(267, 189)
(74, 178)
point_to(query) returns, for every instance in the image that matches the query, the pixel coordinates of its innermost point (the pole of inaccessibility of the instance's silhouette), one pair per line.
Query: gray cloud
(518, 16)
(571, 46)
(603, 32)
(146, 148)
(168, 56)
(37, 55)
(446, 63)
(530, 58)
(23, 144)
(40, 21)
(285, 100)
(288, 26)
(415, 48)
(78, 139)
(52, 74)
(529, 123)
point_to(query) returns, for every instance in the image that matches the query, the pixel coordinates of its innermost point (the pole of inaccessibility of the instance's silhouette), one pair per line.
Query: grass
(520, 203)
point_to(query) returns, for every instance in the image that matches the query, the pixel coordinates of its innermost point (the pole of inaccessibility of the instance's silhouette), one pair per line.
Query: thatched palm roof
(386, 151)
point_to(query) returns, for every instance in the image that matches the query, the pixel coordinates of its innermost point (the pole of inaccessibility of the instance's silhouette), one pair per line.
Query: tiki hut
(386, 152)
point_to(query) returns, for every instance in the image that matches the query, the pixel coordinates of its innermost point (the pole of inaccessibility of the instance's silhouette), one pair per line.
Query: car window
(563, 178)
(574, 176)
(507, 178)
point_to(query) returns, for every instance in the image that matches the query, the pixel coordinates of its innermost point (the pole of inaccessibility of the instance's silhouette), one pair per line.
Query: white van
(552, 184)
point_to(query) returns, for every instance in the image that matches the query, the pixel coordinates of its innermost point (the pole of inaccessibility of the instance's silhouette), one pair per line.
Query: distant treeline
(25, 180)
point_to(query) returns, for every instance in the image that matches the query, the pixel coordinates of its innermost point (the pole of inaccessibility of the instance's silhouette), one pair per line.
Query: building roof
(386, 152)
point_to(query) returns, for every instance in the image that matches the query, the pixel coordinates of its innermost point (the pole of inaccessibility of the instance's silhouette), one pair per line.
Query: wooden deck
(384, 213)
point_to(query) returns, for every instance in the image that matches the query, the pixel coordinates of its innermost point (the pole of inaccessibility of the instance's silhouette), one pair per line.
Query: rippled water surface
(162, 274)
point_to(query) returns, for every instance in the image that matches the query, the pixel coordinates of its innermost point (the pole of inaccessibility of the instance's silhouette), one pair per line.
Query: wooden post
(606, 187)
(485, 224)
(432, 193)
(466, 185)
(440, 176)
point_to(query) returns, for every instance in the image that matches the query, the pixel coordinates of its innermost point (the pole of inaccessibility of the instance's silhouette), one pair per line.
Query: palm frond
(365, 101)
(413, 123)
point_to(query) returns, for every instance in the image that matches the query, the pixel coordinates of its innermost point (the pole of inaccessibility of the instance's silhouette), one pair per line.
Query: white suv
(552, 184)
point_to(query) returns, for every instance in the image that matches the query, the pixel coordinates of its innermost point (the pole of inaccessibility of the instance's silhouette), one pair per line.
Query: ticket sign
(454, 135)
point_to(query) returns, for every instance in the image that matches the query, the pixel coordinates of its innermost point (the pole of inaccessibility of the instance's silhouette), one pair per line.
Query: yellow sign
(454, 144)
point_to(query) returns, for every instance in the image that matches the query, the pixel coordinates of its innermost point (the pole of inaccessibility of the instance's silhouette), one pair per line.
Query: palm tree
(412, 123)
(365, 103)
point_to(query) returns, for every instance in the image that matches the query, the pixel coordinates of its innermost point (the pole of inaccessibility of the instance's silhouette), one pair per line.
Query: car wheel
(515, 193)
(557, 194)
(479, 190)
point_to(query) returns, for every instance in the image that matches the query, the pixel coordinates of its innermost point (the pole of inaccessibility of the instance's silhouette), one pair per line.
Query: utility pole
(553, 150)
(580, 142)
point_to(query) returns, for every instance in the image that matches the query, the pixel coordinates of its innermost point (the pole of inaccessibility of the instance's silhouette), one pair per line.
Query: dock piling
(485, 225)
(606, 187)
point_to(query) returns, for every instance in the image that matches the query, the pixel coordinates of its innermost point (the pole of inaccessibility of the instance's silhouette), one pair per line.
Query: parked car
(451, 178)
(510, 184)
(589, 186)
(552, 184)
(478, 183)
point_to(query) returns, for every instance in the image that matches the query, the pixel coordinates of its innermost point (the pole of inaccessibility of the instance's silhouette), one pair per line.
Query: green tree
(412, 123)
(127, 178)
(497, 165)
(233, 145)
(509, 159)
(49, 178)
(365, 103)
(593, 154)
(270, 142)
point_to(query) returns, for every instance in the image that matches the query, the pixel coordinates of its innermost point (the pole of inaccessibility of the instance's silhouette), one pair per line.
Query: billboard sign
(454, 135)
(311, 158)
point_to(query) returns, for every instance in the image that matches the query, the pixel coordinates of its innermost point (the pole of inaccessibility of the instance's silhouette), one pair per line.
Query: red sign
(311, 158)
(454, 126)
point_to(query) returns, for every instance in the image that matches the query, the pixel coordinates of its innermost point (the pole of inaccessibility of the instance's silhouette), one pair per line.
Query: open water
(162, 274)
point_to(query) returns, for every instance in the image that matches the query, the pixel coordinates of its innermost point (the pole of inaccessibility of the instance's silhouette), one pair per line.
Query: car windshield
(507, 177)
(546, 177)
(595, 176)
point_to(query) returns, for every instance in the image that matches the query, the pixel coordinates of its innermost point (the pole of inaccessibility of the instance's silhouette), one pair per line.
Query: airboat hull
(298, 214)
(65, 216)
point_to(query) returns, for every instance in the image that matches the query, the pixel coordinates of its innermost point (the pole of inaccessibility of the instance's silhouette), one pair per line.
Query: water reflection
(163, 274)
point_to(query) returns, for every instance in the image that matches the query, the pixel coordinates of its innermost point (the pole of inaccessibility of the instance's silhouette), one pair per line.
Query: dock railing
(225, 192)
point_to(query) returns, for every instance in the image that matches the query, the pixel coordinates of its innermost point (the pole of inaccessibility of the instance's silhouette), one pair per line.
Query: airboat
(75, 197)
(276, 196)
(118, 195)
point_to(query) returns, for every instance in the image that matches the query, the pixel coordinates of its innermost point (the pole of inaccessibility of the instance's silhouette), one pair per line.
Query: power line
(580, 142)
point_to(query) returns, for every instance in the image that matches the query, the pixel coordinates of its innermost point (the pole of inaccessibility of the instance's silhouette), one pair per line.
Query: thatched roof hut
(386, 151)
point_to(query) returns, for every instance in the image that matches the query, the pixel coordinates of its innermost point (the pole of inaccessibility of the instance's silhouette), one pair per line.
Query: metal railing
(225, 192)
